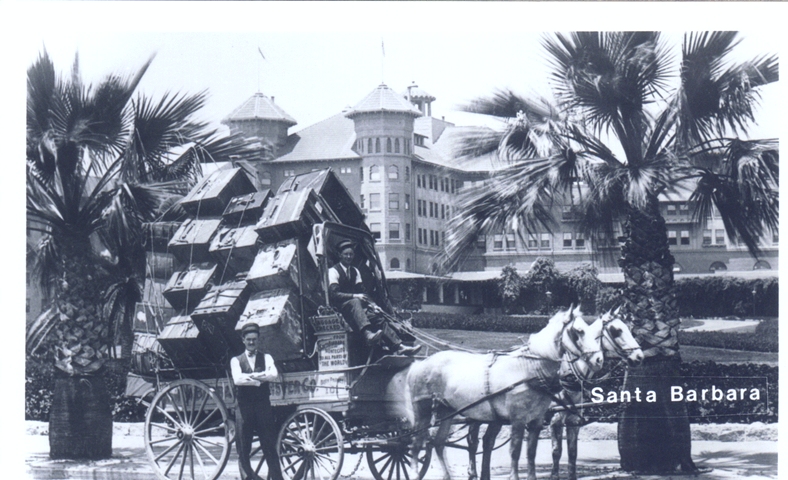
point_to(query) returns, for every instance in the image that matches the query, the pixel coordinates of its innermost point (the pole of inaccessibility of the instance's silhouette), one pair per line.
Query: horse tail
(408, 399)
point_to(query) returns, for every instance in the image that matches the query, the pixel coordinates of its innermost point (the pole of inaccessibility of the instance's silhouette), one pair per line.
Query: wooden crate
(156, 235)
(214, 192)
(186, 288)
(235, 247)
(275, 266)
(191, 242)
(246, 209)
(222, 305)
(189, 348)
(277, 314)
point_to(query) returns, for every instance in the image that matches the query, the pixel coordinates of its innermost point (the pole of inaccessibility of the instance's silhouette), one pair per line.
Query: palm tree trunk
(79, 417)
(652, 436)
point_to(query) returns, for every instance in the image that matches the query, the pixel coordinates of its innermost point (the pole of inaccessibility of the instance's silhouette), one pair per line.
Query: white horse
(617, 340)
(511, 387)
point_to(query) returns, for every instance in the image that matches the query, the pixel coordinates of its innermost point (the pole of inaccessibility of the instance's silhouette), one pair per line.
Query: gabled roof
(259, 107)
(384, 99)
(330, 139)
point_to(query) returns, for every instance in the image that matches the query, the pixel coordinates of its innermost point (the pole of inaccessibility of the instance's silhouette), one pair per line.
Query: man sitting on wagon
(347, 294)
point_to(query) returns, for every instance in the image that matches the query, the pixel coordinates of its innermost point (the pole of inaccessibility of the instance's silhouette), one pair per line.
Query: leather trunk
(276, 312)
(212, 194)
(235, 247)
(246, 209)
(191, 242)
(189, 348)
(291, 214)
(186, 288)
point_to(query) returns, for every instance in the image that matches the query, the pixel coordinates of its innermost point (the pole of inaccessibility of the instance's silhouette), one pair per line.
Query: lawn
(484, 341)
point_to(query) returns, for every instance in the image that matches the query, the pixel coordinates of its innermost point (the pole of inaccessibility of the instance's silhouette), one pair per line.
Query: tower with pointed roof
(383, 123)
(260, 117)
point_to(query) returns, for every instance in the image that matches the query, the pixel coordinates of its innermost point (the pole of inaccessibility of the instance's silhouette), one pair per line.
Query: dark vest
(347, 281)
(249, 394)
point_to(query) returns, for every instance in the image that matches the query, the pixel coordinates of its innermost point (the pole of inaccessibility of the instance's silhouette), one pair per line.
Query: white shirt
(333, 275)
(253, 379)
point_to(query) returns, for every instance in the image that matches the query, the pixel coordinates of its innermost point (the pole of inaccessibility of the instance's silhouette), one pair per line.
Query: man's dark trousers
(255, 416)
(353, 311)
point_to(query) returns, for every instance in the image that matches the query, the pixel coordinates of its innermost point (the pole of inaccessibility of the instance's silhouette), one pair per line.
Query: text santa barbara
(677, 394)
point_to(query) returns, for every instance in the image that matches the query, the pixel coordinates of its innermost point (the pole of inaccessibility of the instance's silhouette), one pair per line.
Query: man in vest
(347, 294)
(251, 371)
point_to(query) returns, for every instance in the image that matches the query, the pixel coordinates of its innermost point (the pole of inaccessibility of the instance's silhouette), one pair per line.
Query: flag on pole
(261, 53)
(382, 47)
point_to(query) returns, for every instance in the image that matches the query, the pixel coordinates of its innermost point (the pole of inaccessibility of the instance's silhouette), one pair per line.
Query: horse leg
(516, 444)
(473, 447)
(440, 443)
(534, 427)
(572, 431)
(422, 413)
(556, 437)
(487, 448)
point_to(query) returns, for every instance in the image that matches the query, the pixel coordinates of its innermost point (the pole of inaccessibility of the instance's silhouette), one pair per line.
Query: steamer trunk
(292, 214)
(145, 354)
(234, 247)
(212, 195)
(156, 235)
(191, 242)
(246, 209)
(186, 288)
(276, 312)
(275, 266)
(151, 318)
(218, 312)
(188, 348)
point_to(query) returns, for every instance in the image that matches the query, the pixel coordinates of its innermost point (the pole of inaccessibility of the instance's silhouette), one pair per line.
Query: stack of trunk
(241, 257)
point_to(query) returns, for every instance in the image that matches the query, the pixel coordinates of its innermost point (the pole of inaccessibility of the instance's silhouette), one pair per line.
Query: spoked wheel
(186, 432)
(311, 446)
(393, 462)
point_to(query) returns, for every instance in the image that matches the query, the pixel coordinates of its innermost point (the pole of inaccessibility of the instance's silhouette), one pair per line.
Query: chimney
(272, 99)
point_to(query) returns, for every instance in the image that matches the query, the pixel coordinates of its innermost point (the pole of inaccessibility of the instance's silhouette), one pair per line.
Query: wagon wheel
(311, 446)
(186, 432)
(392, 462)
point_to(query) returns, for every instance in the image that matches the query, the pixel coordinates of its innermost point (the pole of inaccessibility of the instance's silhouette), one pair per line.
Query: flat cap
(344, 244)
(250, 328)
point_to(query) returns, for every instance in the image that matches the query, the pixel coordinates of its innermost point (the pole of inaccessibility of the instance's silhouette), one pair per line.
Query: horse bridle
(578, 353)
(616, 348)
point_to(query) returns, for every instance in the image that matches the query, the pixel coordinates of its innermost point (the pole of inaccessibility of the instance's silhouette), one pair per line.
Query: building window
(407, 147)
(361, 173)
(393, 201)
(377, 145)
(443, 187)
(375, 229)
(498, 242)
(394, 263)
(393, 172)
(362, 200)
(345, 170)
(672, 209)
(545, 242)
(443, 211)
(369, 146)
(388, 145)
(453, 186)
(407, 201)
(761, 265)
(672, 237)
(443, 237)
(684, 209)
(418, 181)
(374, 173)
(685, 240)
(707, 237)
(719, 237)
(407, 232)
(567, 240)
(374, 201)
(393, 231)
(580, 240)
(481, 242)
(407, 174)
(407, 264)
(718, 266)
(510, 244)
(396, 145)
(532, 242)
(265, 178)
(289, 173)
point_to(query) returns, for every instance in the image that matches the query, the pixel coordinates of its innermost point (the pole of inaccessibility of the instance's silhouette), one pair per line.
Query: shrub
(608, 298)
(720, 296)
(765, 338)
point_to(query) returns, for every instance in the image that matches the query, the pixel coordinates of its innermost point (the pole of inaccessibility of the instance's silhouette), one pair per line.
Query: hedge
(39, 378)
(700, 375)
(484, 322)
(765, 338)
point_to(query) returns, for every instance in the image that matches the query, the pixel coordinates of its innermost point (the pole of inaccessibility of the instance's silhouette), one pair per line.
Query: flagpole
(382, 62)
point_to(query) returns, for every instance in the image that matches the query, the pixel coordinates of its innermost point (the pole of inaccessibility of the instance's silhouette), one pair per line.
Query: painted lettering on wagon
(310, 386)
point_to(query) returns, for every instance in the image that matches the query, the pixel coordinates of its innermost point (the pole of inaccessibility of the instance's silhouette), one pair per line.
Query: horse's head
(582, 343)
(617, 338)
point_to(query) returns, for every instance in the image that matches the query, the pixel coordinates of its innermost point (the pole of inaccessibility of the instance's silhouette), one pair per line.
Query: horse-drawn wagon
(241, 255)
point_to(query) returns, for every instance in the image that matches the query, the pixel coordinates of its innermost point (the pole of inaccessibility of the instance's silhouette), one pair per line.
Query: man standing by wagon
(347, 294)
(251, 371)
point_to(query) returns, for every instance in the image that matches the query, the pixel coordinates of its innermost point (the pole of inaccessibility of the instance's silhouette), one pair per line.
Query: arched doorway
(761, 265)
(718, 267)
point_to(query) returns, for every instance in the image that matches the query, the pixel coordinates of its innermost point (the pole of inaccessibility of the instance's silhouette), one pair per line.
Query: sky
(320, 58)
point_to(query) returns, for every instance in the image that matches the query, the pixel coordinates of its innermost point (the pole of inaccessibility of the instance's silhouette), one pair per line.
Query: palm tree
(100, 162)
(624, 128)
